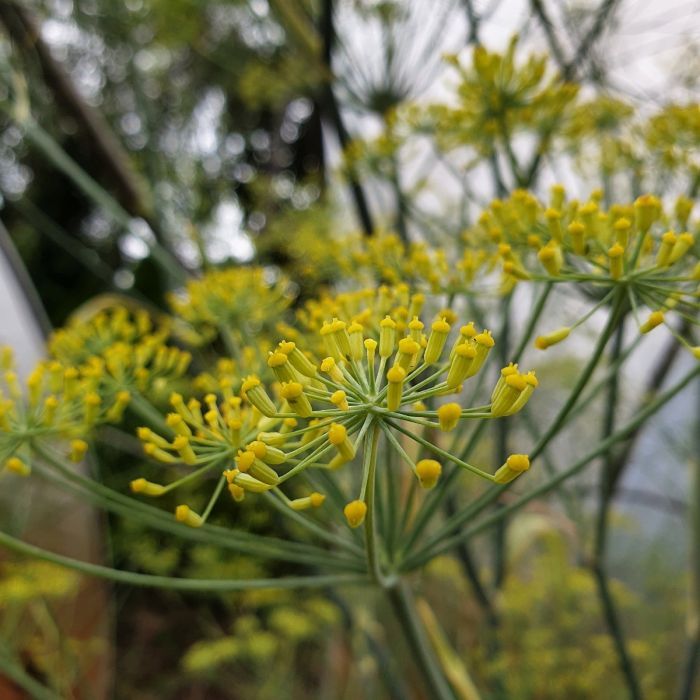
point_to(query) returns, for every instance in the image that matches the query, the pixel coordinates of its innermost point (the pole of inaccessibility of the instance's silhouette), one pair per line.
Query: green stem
(607, 489)
(532, 322)
(243, 542)
(691, 665)
(500, 455)
(176, 583)
(427, 553)
(404, 607)
(371, 544)
(431, 504)
(18, 675)
(145, 410)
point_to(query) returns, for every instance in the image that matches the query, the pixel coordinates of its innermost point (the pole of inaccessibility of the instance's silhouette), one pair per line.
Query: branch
(103, 145)
(332, 109)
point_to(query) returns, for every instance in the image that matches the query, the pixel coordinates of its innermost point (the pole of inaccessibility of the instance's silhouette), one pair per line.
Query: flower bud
(184, 514)
(436, 341)
(313, 500)
(338, 437)
(515, 465)
(257, 396)
(17, 466)
(542, 342)
(387, 336)
(682, 245)
(551, 258)
(279, 363)
(408, 350)
(464, 356)
(616, 254)
(330, 367)
(356, 347)
(78, 448)
(577, 232)
(449, 415)
(355, 512)
(147, 488)
(395, 378)
(428, 472)
(340, 400)
(297, 359)
(293, 393)
(656, 318)
(663, 254)
(513, 386)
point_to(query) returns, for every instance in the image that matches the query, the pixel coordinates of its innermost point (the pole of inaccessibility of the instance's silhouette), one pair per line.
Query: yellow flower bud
(646, 210)
(330, 367)
(340, 400)
(449, 415)
(436, 342)
(371, 347)
(462, 360)
(551, 258)
(663, 254)
(272, 438)
(279, 363)
(395, 378)
(656, 318)
(182, 445)
(355, 512)
(682, 245)
(578, 241)
(237, 493)
(542, 342)
(531, 384)
(515, 465)
(483, 342)
(184, 514)
(251, 483)
(338, 437)
(553, 217)
(313, 500)
(387, 336)
(356, 347)
(328, 333)
(622, 231)
(513, 386)
(616, 254)
(408, 350)
(417, 301)
(78, 448)
(17, 466)
(428, 472)
(298, 359)
(147, 488)
(293, 393)
(558, 193)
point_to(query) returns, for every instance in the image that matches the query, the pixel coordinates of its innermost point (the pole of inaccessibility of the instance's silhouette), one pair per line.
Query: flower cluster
(632, 251)
(367, 380)
(231, 300)
(58, 401)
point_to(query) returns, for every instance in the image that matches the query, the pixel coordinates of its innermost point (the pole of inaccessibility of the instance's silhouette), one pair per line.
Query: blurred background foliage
(284, 134)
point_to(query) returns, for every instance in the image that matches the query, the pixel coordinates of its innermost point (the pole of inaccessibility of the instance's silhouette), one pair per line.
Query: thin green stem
(423, 654)
(176, 583)
(371, 541)
(16, 673)
(607, 489)
(537, 310)
(446, 543)
(145, 410)
(133, 509)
